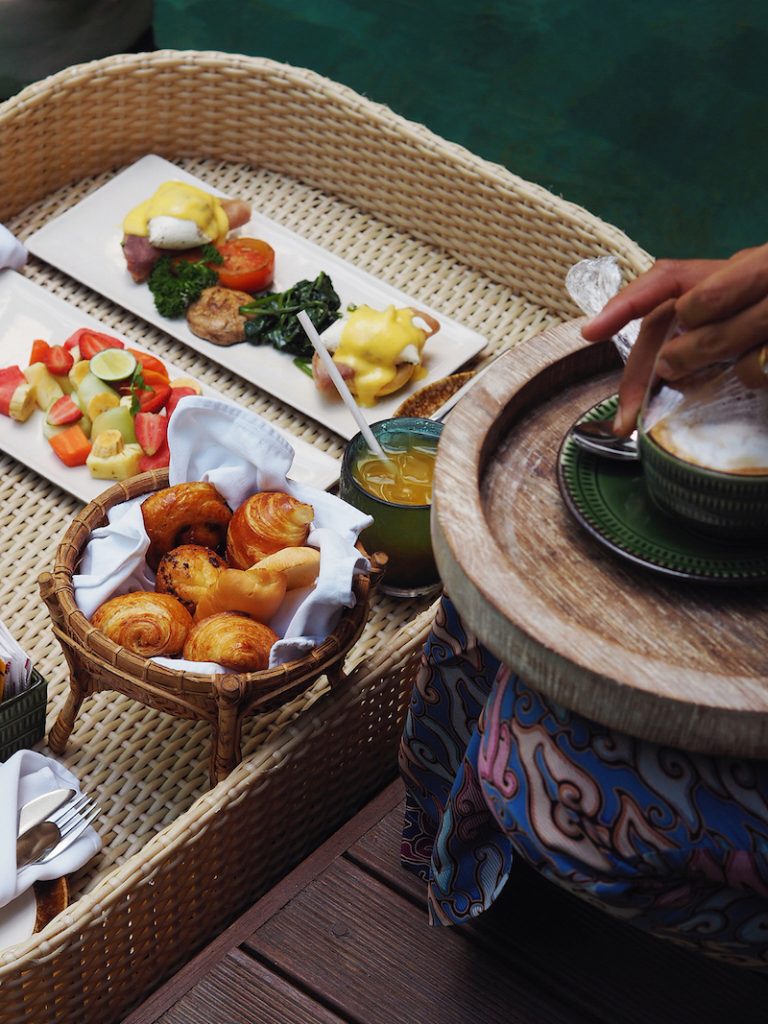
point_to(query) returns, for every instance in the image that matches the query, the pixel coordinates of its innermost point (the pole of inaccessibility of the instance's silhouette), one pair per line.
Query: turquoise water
(650, 115)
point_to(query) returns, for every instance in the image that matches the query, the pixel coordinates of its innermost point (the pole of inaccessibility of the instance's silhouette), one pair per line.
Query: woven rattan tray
(179, 860)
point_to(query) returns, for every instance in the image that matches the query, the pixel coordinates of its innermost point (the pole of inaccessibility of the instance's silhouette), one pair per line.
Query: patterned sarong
(672, 841)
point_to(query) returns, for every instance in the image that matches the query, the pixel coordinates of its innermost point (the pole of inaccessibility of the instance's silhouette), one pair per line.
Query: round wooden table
(671, 661)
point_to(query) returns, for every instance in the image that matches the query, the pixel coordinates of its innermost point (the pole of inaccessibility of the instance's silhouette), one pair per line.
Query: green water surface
(651, 115)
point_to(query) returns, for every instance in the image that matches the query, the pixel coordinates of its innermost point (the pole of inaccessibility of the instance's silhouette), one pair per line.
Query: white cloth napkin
(239, 453)
(12, 252)
(23, 777)
(15, 664)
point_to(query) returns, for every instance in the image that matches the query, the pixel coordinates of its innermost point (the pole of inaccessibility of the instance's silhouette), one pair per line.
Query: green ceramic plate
(609, 500)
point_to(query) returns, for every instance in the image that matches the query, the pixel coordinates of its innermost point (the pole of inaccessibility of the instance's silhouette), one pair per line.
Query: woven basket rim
(79, 629)
(417, 133)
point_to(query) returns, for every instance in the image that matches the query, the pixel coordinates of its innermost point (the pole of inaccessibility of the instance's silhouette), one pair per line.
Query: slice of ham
(140, 256)
(322, 378)
(238, 212)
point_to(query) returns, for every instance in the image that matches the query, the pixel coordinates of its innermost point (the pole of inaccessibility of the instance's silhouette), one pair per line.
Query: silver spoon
(597, 437)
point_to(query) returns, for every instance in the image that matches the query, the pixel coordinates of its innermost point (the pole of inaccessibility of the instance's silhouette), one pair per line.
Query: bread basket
(97, 663)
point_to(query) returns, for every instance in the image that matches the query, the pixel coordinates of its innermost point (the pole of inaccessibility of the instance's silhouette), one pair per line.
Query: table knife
(37, 810)
(35, 842)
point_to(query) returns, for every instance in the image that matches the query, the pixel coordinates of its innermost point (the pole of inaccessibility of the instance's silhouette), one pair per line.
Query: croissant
(184, 514)
(235, 641)
(263, 524)
(299, 565)
(145, 623)
(187, 573)
(256, 592)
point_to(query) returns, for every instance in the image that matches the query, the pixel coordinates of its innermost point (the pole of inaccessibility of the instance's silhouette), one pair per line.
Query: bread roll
(235, 641)
(263, 524)
(256, 592)
(146, 623)
(187, 573)
(300, 566)
(191, 513)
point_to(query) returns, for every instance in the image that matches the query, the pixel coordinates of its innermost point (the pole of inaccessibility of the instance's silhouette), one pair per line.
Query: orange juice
(406, 479)
(397, 494)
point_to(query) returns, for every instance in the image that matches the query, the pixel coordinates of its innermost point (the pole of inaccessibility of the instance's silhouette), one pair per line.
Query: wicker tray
(179, 861)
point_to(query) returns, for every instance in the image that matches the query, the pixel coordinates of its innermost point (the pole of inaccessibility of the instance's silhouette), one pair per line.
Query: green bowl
(730, 506)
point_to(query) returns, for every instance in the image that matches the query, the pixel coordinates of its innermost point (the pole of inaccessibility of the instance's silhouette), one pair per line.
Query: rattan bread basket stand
(466, 237)
(97, 663)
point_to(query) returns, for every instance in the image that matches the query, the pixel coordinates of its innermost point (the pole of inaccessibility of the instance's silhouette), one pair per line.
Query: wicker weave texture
(461, 235)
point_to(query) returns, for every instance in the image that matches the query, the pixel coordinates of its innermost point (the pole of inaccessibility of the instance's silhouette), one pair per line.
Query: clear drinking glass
(399, 529)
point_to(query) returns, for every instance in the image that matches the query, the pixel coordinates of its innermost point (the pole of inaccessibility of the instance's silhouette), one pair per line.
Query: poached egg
(178, 216)
(382, 347)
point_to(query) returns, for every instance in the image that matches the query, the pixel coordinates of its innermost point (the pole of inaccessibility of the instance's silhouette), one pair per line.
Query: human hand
(694, 312)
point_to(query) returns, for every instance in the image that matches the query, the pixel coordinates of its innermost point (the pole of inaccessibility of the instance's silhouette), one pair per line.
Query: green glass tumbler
(401, 531)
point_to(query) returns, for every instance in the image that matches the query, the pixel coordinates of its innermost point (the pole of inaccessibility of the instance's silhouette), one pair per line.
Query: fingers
(639, 368)
(714, 342)
(740, 283)
(665, 280)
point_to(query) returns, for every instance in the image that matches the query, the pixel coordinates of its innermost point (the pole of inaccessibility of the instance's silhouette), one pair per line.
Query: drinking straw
(341, 386)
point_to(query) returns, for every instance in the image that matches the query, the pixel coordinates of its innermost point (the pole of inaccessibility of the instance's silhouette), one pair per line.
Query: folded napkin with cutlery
(12, 252)
(238, 452)
(23, 777)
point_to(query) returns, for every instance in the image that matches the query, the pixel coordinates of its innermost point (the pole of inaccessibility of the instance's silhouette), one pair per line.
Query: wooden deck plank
(579, 949)
(150, 1011)
(239, 989)
(344, 938)
(378, 852)
(369, 954)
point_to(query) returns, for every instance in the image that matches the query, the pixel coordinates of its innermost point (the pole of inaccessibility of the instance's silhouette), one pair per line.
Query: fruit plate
(28, 311)
(84, 242)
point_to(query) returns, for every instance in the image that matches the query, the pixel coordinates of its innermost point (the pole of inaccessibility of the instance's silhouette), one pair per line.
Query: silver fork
(60, 831)
(71, 822)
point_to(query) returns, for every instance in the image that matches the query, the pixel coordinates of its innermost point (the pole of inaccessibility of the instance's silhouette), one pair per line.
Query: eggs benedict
(377, 351)
(178, 217)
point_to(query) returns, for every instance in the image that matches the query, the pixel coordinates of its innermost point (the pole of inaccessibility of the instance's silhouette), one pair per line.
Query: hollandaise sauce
(176, 201)
(405, 479)
(383, 347)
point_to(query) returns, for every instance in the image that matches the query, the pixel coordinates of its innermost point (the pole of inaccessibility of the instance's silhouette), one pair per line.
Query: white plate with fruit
(85, 406)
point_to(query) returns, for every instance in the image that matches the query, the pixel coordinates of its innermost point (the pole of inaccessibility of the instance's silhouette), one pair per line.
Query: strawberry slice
(58, 361)
(151, 431)
(90, 342)
(39, 349)
(159, 460)
(153, 399)
(63, 410)
(176, 396)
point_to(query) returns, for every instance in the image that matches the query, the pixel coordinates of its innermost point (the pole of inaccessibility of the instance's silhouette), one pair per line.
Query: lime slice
(112, 365)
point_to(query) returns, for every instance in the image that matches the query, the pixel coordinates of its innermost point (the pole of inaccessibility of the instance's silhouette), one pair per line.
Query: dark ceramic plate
(609, 500)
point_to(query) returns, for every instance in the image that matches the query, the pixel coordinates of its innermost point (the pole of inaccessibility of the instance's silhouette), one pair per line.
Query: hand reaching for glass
(694, 313)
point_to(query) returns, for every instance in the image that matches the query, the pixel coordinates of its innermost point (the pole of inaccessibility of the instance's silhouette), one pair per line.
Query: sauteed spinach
(273, 321)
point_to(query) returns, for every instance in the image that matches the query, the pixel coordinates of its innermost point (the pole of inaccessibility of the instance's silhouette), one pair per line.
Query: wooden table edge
(605, 696)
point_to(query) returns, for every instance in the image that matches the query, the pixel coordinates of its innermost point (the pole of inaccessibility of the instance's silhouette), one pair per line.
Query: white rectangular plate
(27, 312)
(84, 242)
